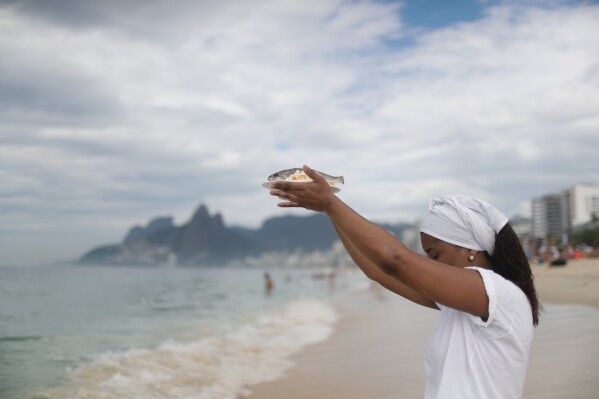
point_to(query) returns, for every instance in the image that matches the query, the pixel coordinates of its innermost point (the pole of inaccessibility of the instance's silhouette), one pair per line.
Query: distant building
(553, 215)
(522, 227)
(584, 203)
(548, 216)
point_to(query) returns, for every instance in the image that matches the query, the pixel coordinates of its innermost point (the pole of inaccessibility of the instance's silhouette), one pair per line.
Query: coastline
(377, 349)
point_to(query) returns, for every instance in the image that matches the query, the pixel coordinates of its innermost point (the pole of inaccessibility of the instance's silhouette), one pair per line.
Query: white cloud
(106, 124)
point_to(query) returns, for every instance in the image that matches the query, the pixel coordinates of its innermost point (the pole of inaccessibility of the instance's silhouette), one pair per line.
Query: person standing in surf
(475, 273)
(269, 285)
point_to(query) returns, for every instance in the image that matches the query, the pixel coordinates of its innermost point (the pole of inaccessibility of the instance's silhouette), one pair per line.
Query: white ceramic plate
(268, 185)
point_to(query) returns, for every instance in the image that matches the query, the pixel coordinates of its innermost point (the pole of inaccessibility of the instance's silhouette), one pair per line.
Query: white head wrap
(464, 221)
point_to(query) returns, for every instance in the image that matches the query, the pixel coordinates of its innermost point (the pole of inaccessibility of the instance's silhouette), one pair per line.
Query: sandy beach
(377, 349)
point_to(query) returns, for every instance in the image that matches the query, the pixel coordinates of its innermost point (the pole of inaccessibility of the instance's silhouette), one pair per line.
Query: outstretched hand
(316, 195)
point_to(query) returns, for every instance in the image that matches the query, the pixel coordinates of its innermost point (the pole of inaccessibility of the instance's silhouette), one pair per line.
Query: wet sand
(377, 350)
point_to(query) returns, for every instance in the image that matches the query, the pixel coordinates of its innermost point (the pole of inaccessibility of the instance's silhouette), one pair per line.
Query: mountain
(155, 225)
(306, 233)
(203, 240)
(206, 240)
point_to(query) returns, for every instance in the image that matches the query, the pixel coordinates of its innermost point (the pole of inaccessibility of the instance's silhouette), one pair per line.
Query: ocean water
(126, 332)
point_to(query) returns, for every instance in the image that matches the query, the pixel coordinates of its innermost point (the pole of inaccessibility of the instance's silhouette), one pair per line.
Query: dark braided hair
(510, 262)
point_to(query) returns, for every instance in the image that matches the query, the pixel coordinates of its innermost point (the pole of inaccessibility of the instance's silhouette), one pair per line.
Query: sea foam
(215, 367)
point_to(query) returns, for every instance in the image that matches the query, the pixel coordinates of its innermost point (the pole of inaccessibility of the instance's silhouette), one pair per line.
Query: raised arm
(376, 274)
(455, 287)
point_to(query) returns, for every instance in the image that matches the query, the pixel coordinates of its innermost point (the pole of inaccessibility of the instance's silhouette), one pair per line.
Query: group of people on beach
(547, 251)
(475, 273)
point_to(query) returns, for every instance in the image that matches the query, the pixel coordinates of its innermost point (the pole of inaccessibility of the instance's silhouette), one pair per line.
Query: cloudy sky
(113, 112)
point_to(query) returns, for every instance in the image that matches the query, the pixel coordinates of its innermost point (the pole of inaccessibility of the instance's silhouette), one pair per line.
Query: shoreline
(377, 348)
(355, 362)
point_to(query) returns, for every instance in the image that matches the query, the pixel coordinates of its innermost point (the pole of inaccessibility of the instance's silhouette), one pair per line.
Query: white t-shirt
(467, 357)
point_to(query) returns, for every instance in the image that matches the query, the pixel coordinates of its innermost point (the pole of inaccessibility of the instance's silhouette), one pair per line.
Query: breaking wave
(215, 367)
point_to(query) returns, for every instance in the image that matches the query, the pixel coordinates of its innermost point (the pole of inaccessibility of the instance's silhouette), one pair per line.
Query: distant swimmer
(268, 284)
(331, 280)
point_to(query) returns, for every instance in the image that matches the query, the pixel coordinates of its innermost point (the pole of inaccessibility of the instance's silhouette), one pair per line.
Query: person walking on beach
(475, 273)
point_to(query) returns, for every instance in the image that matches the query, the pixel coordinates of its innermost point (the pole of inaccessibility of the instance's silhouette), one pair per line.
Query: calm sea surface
(107, 332)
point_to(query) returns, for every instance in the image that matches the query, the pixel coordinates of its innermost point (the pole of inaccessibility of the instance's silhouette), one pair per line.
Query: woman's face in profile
(444, 252)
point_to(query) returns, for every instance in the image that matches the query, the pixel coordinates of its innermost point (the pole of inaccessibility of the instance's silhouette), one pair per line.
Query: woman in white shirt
(475, 273)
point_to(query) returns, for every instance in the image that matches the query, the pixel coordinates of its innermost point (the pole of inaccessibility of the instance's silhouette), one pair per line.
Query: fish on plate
(297, 174)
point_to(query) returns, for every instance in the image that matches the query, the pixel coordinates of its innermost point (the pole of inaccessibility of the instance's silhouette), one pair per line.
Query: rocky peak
(200, 215)
(217, 221)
